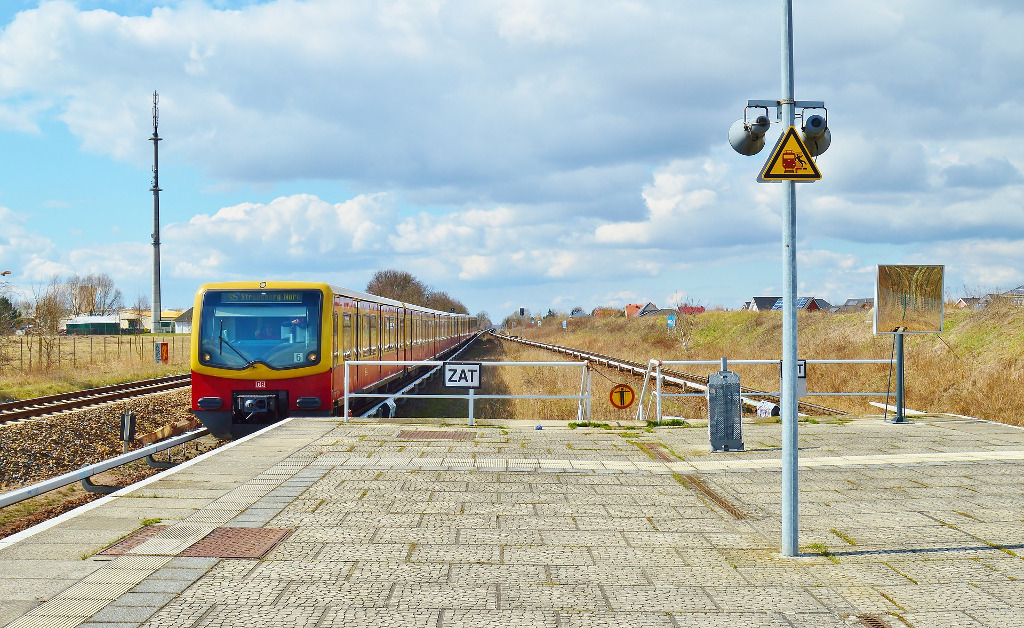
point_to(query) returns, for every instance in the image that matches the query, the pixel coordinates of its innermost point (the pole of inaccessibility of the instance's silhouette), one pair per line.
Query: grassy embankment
(82, 362)
(974, 367)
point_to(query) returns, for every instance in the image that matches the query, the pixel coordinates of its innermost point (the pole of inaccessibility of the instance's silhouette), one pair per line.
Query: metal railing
(583, 398)
(88, 471)
(654, 368)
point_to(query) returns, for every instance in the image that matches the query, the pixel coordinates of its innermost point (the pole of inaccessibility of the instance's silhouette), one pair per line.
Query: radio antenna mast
(156, 324)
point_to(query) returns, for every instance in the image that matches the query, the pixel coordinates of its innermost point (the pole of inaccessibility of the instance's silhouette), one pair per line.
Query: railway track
(39, 406)
(640, 369)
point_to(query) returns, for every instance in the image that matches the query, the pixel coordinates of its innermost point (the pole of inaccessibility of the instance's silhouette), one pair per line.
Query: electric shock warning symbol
(790, 161)
(621, 396)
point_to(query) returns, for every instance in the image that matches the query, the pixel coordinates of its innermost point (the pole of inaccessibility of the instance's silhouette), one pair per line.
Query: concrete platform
(428, 525)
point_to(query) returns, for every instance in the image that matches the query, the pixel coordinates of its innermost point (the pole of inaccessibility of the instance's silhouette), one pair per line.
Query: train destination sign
(622, 396)
(790, 161)
(252, 296)
(462, 374)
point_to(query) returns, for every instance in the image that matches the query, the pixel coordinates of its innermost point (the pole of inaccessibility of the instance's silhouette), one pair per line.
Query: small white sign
(462, 374)
(801, 378)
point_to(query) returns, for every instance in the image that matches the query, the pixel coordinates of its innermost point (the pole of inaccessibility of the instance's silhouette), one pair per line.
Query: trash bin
(725, 426)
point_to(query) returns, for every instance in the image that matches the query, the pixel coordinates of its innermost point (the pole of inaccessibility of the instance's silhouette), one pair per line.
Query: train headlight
(311, 356)
(206, 357)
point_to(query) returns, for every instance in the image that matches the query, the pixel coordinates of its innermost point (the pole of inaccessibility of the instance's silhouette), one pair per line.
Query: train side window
(374, 334)
(337, 341)
(366, 335)
(346, 336)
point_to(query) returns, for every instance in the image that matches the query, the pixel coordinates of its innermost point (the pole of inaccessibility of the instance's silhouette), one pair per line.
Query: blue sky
(544, 154)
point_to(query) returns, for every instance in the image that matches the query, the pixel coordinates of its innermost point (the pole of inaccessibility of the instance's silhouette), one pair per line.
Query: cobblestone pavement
(396, 525)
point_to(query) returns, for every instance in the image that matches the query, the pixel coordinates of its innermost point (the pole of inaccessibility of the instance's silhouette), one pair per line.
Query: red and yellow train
(262, 351)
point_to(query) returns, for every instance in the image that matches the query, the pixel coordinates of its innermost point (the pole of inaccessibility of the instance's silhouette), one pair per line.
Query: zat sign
(462, 374)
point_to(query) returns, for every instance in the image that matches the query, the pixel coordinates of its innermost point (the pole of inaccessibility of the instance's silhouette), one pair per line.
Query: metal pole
(788, 401)
(470, 407)
(156, 215)
(901, 414)
(346, 392)
(589, 390)
(658, 386)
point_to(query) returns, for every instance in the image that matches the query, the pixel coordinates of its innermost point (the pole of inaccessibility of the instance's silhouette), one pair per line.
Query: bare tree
(94, 294)
(403, 286)
(138, 308)
(398, 285)
(51, 305)
(440, 300)
(10, 318)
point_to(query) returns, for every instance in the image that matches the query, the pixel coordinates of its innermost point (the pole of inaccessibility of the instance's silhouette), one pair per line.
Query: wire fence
(44, 353)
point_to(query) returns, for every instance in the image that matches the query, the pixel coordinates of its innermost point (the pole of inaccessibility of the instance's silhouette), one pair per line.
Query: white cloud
(694, 204)
(558, 147)
(477, 267)
(125, 262)
(285, 234)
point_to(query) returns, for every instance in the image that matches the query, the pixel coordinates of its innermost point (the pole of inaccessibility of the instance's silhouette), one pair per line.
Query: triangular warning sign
(790, 161)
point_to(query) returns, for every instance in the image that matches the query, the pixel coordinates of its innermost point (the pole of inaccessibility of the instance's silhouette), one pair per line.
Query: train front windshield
(277, 328)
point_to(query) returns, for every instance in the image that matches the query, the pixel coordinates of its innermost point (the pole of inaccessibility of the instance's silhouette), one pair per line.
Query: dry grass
(85, 362)
(975, 367)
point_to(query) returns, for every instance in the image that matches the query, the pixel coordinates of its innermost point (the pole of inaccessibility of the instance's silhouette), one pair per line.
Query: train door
(403, 333)
(432, 331)
(337, 375)
(411, 352)
(403, 315)
(389, 324)
(368, 336)
(335, 341)
(348, 344)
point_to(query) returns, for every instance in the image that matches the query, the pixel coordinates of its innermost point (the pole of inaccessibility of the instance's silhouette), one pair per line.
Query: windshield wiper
(224, 341)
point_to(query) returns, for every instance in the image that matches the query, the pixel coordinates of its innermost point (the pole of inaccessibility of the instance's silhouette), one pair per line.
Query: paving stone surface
(918, 525)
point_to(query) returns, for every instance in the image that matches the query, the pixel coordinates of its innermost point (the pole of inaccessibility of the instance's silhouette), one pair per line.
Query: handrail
(87, 471)
(583, 398)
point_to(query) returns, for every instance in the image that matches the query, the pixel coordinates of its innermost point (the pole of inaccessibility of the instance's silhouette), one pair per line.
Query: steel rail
(38, 406)
(640, 370)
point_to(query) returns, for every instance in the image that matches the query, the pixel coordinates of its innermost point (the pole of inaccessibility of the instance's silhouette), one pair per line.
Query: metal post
(658, 387)
(156, 215)
(790, 442)
(901, 414)
(589, 377)
(471, 407)
(346, 391)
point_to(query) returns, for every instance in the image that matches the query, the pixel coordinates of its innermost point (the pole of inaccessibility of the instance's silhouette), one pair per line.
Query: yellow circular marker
(622, 396)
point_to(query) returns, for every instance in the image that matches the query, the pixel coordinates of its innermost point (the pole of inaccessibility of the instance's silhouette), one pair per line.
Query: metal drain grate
(656, 451)
(873, 621)
(237, 543)
(132, 541)
(436, 435)
(697, 484)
